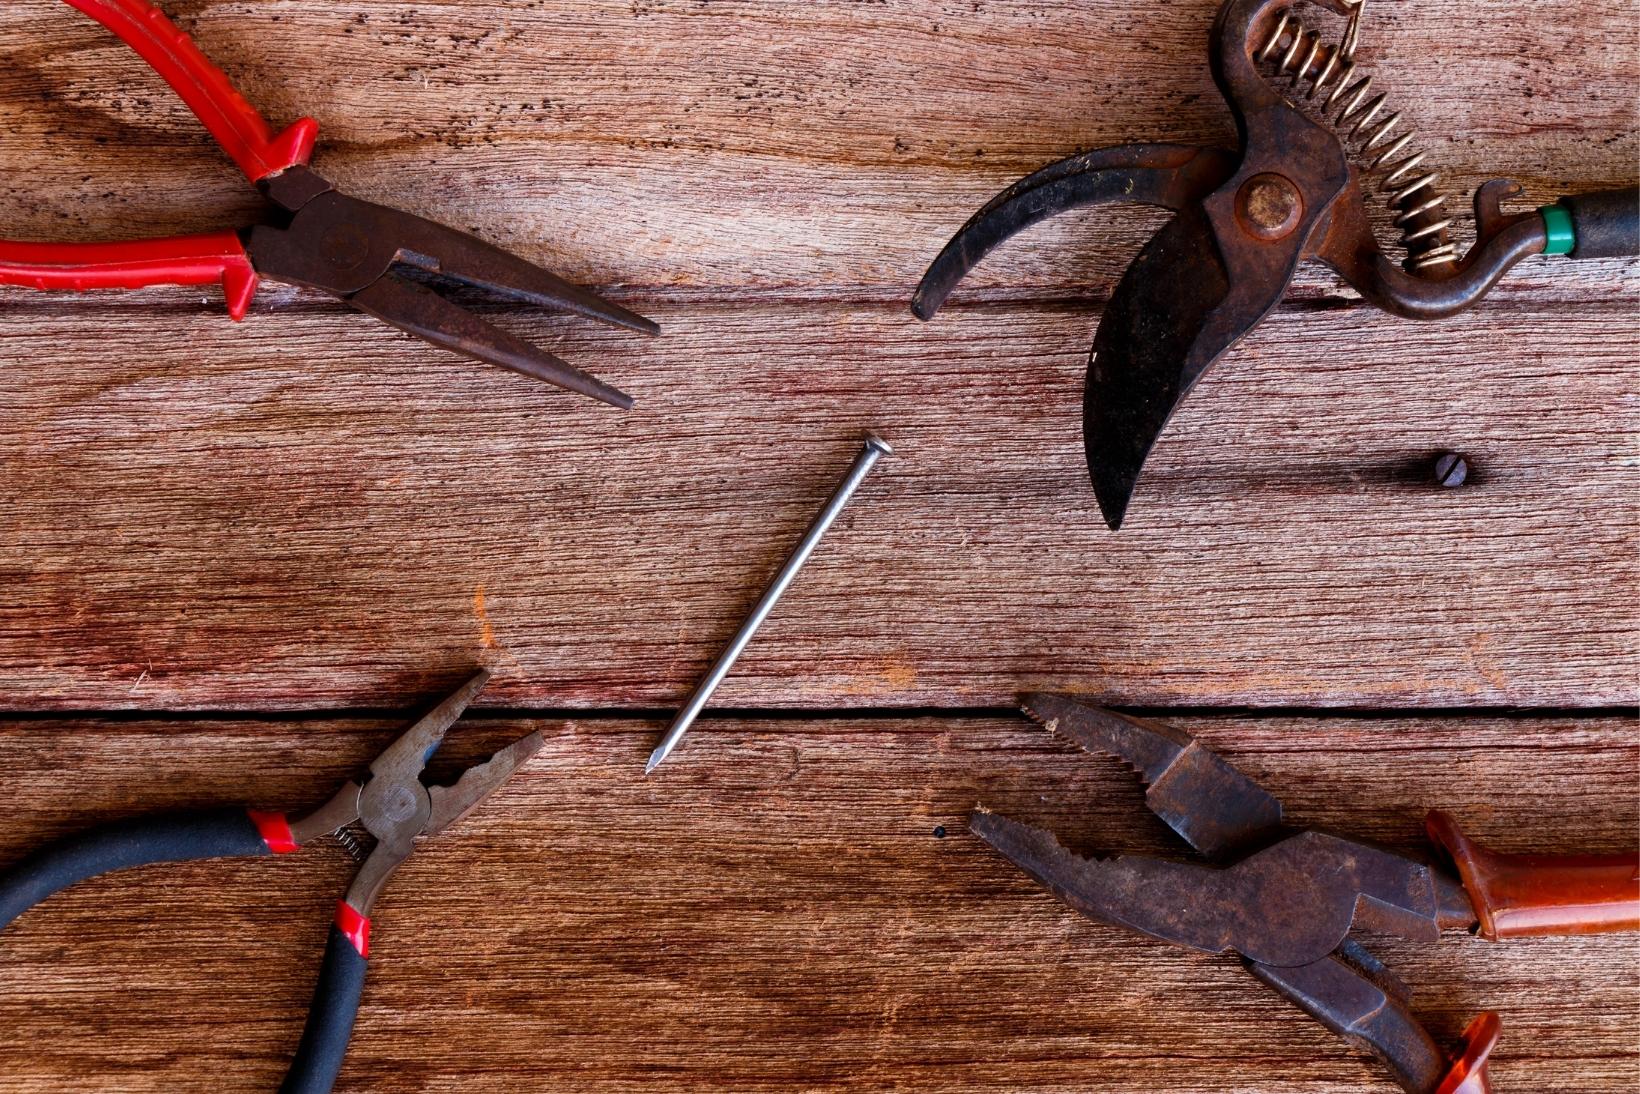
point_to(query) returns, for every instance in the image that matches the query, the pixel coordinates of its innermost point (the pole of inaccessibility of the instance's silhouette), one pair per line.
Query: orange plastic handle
(242, 132)
(1468, 1074)
(1521, 895)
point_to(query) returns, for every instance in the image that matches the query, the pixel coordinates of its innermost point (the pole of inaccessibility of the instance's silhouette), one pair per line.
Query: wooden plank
(822, 150)
(772, 911)
(310, 511)
(306, 512)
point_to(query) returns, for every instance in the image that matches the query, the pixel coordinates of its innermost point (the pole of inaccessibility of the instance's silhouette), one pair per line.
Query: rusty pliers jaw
(1227, 816)
(1287, 906)
(350, 249)
(1211, 805)
(1290, 904)
(394, 806)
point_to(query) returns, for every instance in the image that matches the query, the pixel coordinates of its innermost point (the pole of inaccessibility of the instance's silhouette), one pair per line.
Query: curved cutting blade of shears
(1160, 310)
(1164, 326)
(1168, 175)
(1215, 271)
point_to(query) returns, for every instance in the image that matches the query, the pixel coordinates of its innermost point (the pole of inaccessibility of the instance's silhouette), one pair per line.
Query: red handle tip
(355, 926)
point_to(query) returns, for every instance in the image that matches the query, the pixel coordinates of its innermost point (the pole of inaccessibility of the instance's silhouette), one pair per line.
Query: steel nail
(875, 448)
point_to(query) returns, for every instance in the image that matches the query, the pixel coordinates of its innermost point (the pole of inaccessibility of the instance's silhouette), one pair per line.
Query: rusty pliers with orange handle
(1287, 900)
(318, 237)
(391, 803)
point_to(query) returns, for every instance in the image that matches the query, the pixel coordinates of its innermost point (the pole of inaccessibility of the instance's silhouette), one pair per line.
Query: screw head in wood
(1451, 469)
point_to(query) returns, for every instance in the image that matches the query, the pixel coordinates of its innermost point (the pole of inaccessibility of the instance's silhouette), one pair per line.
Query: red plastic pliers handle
(215, 257)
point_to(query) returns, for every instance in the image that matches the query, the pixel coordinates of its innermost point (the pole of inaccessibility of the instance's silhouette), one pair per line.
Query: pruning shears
(1314, 135)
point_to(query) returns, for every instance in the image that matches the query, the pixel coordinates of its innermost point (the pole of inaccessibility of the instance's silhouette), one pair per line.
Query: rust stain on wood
(486, 629)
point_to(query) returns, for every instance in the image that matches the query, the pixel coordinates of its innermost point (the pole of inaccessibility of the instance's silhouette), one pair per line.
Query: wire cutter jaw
(1285, 901)
(395, 806)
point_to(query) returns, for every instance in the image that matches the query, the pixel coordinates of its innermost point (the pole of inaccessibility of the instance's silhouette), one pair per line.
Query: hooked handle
(1518, 896)
(242, 132)
(1605, 224)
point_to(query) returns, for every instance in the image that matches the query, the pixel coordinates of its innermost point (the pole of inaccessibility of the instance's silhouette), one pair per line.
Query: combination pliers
(390, 802)
(1287, 901)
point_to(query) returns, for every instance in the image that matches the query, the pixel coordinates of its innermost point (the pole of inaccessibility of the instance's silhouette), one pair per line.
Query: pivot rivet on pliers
(1269, 206)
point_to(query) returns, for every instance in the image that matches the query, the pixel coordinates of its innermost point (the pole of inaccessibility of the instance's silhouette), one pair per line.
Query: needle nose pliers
(391, 803)
(1288, 901)
(316, 237)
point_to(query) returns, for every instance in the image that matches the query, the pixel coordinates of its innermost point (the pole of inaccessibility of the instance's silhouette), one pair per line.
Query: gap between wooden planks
(771, 911)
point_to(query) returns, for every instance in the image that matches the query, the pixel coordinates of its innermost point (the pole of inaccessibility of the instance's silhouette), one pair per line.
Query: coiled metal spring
(1411, 193)
(352, 844)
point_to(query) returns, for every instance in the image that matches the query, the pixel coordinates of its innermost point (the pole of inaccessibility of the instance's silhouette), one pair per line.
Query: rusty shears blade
(1244, 218)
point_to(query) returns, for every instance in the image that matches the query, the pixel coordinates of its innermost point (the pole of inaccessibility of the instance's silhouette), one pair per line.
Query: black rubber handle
(1606, 224)
(330, 1022)
(176, 838)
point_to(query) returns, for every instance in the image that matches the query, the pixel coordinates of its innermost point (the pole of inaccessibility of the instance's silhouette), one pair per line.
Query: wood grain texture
(291, 512)
(813, 150)
(311, 511)
(772, 911)
(307, 512)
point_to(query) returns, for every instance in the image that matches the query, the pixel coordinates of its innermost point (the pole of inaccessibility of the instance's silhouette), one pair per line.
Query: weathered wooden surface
(769, 913)
(307, 512)
(275, 526)
(815, 150)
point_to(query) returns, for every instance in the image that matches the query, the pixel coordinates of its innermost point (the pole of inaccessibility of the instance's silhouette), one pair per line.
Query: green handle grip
(1605, 224)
